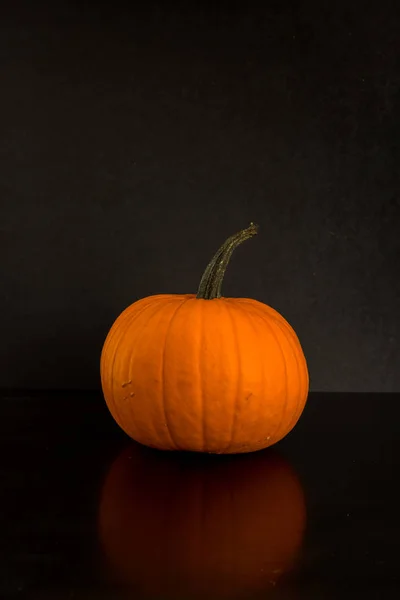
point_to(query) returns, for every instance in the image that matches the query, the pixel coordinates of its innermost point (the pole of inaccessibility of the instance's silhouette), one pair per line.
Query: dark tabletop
(86, 513)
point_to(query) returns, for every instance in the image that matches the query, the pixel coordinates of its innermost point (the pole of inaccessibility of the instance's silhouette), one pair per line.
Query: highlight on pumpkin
(194, 526)
(204, 373)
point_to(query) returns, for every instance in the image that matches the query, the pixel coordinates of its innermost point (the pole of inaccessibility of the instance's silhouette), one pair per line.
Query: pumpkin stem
(211, 282)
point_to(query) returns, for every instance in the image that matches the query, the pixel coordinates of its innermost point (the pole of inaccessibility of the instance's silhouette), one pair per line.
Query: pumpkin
(184, 525)
(203, 372)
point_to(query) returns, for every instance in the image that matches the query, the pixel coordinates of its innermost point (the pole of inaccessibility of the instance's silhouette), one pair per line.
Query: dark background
(133, 141)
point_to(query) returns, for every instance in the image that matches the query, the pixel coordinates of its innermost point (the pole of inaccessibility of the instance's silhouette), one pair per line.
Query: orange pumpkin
(204, 373)
(182, 525)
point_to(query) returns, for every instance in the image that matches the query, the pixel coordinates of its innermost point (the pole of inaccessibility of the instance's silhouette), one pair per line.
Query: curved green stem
(211, 282)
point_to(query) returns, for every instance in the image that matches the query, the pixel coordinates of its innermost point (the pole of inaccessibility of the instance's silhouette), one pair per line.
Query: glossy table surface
(86, 513)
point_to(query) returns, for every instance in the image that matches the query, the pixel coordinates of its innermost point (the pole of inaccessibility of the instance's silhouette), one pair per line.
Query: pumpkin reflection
(207, 526)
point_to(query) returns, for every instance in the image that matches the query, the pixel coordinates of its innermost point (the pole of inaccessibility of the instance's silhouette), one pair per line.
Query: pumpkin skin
(177, 525)
(204, 373)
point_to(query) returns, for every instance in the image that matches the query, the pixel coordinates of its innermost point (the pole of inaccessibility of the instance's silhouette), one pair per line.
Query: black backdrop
(133, 141)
